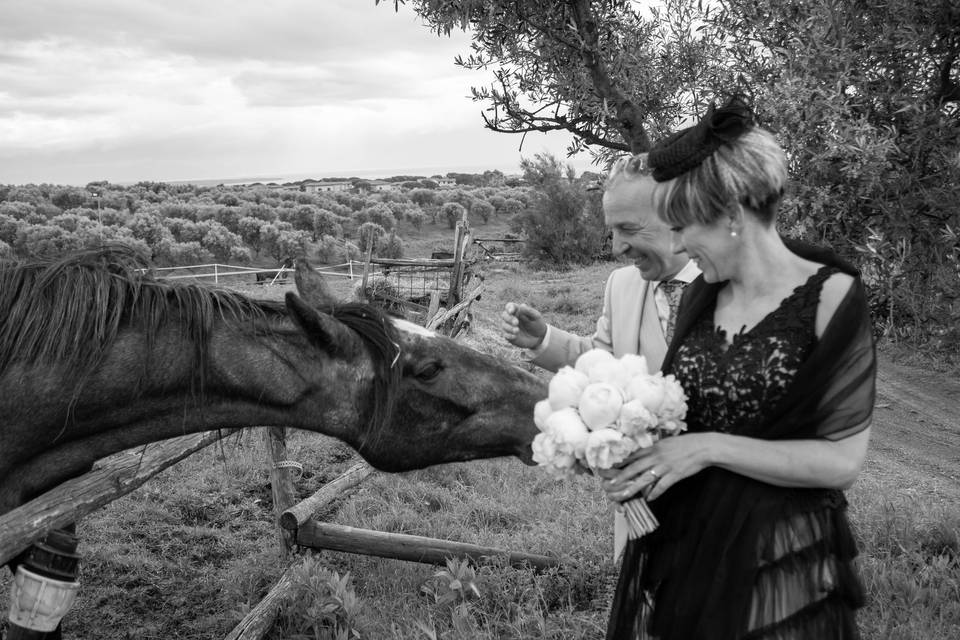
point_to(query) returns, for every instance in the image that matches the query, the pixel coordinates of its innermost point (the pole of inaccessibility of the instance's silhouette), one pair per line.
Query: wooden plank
(258, 623)
(413, 262)
(282, 489)
(110, 479)
(433, 307)
(293, 517)
(498, 240)
(440, 318)
(366, 273)
(335, 537)
(454, 295)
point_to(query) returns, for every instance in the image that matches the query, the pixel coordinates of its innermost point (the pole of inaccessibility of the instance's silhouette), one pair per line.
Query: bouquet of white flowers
(601, 410)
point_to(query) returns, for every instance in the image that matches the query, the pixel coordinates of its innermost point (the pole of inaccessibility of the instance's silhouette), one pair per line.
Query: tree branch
(629, 118)
(558, 123)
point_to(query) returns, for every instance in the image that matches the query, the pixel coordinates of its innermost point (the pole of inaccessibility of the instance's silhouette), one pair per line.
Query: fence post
(216, 273)
(366, 273)
(453, 295)
(284, 494)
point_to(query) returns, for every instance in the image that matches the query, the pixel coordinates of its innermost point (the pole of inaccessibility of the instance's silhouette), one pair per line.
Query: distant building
(318, 187)
(445, 182)
(383, 185)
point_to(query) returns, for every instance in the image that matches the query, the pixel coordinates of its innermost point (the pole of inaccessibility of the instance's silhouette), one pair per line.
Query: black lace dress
(719, 570)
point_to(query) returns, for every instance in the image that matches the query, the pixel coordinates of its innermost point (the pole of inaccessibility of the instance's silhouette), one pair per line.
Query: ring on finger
(656, 476)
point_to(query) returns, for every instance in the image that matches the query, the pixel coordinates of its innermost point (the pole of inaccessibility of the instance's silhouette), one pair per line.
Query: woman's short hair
(749, 170)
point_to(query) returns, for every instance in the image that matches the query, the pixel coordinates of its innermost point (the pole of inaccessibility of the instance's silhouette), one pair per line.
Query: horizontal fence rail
(217, 271)
(110, 479)
(402, 546)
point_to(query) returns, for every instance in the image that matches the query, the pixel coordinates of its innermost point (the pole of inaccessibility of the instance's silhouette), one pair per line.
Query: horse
(98, 356)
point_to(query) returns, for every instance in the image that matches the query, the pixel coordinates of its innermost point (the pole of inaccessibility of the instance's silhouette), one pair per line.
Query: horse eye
(428, 371)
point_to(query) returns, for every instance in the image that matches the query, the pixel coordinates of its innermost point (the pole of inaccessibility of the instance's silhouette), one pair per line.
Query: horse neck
(149, 390)
(250, 375)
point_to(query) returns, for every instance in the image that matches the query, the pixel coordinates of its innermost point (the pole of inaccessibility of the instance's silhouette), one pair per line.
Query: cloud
(173, 89)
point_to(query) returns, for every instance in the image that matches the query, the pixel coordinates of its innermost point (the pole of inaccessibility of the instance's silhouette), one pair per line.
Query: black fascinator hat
(682, 151)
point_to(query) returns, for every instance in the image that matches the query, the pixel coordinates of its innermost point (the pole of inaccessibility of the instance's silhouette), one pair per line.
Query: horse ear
(322, 329)
(312, 286)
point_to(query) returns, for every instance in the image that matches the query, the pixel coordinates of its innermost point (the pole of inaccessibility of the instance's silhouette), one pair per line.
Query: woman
(774, 349)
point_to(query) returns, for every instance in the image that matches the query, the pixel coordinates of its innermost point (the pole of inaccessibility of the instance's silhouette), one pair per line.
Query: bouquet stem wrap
(640, 520)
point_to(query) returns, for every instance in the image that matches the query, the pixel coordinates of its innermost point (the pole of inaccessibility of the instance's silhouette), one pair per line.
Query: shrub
(370, 234)
(322, 604)
(417, 218)
(453, 212)
(378, 214)
(562, 225)
(392, 247)
(423, 197)
(482, 209)
(330, 250)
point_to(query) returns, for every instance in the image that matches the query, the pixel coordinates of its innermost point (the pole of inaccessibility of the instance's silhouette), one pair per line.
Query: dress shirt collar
(689, 273)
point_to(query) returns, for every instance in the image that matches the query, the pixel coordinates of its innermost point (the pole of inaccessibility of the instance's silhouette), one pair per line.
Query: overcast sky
(129, 90)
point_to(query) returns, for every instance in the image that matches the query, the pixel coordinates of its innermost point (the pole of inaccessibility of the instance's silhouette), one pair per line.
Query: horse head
(449, 402)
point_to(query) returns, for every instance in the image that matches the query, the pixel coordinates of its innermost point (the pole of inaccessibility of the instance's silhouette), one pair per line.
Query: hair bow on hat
(682, 151)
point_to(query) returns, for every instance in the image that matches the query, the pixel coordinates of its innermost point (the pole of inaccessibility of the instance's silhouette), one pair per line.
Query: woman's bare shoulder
(835, 289)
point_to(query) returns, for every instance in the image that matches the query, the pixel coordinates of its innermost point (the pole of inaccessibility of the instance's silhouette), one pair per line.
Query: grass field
(187, 555)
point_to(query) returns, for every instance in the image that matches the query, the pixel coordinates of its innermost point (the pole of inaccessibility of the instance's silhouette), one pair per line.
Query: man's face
(638, 233)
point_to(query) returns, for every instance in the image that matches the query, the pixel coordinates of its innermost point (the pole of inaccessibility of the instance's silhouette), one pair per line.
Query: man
(639, 302)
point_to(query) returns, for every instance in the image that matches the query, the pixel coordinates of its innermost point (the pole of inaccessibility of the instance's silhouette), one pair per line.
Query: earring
(733, 234)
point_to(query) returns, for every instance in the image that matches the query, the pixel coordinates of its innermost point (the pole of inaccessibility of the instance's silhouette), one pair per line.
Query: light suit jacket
(628, 324)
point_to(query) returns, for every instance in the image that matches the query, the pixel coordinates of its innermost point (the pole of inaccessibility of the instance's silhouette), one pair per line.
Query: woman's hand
(813, 463)
(653, 470)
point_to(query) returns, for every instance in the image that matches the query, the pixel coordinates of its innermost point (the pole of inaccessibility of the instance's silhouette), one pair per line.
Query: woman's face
(710, 246)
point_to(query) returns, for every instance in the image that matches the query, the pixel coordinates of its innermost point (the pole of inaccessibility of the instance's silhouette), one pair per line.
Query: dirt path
(916, 426)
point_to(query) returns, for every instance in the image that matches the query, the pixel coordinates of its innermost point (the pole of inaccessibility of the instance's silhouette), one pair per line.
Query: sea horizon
(281, 178)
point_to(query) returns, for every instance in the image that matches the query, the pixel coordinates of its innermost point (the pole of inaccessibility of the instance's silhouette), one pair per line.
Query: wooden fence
(436, 292)
(110, 479)
(120, 474)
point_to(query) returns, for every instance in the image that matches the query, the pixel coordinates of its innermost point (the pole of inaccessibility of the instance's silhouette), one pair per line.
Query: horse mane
(381, 338)
(69, 311)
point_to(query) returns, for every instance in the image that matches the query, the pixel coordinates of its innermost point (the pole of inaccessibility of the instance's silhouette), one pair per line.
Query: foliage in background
(563, 224)
(864, 96)
(178, 224)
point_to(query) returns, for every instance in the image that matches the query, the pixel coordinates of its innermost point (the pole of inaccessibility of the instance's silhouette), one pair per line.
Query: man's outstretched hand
(522, 325)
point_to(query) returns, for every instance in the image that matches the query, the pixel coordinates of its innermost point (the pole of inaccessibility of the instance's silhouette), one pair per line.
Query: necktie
(673, 289)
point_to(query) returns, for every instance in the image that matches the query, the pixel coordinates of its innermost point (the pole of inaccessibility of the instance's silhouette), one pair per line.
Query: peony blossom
(540, 412)
(673, 410)
(546, 454)
(636, 420)
(589, 359)
(600, 405)
(568, 431)
(648, 390)
(611, 372)
(607, 448)
(636, 365)
(565, 388)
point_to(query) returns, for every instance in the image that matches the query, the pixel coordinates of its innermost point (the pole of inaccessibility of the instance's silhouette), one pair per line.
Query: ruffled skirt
(789, 577)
